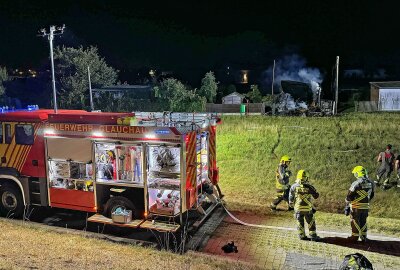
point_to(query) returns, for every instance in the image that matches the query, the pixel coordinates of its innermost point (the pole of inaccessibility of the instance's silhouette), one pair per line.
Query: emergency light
(29, 108)
(32, 107)
(162, 131)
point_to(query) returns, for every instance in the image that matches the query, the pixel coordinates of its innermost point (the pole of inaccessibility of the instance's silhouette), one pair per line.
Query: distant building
(386, 95)
(234, 98)
(142, 92)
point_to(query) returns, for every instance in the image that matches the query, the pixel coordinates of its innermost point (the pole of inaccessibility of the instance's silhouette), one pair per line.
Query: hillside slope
(249, 149)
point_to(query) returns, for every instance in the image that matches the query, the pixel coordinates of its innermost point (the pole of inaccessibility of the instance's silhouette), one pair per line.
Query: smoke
(287, 103)
(294, 68)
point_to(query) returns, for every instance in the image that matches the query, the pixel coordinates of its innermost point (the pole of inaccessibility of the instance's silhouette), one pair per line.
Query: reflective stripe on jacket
(360, 193)
(301, 195)
(282, 177)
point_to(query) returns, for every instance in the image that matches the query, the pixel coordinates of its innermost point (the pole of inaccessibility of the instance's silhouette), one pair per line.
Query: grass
(27, 247)
(249, 149)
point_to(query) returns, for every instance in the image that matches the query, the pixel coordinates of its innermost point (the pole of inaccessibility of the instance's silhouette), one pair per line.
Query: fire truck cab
(156, 165)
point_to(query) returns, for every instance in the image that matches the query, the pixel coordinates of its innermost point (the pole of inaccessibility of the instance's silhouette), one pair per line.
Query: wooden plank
(102, 219)
(160, 226)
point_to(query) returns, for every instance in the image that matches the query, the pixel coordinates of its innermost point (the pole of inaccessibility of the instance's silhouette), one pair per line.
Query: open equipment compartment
(119, 162)
(164, 179)
(70, 173)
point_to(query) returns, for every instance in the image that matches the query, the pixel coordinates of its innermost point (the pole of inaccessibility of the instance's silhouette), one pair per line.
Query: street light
(54, 30)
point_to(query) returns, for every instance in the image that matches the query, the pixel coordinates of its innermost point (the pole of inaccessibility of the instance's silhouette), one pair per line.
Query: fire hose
(254, 225)
(383, 238)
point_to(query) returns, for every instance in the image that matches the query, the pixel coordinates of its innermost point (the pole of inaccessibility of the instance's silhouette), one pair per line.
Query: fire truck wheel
(11, 202)
(118, 201)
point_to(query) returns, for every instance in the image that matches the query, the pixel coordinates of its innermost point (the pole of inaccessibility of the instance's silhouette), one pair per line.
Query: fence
(366, 106)
(235, 108)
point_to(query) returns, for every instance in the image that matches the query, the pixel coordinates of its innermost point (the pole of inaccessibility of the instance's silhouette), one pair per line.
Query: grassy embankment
(249, 149)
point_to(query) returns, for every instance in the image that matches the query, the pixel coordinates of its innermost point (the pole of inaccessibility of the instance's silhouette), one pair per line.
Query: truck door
(16, 141)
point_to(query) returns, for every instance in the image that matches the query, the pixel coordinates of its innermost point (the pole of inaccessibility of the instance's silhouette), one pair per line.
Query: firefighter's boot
(386, 184)
(315, 238)
(377, 181)
(303, 237)
(364, 239)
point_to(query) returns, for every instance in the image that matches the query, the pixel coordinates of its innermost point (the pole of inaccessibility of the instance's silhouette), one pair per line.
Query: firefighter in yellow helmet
(358, 198)
(282, 182)
(300, 196)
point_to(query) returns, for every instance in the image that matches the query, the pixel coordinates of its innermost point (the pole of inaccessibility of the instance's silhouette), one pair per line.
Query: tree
(177, 97)
(209, 87)
(3, 78)
(268, 99)
(254, 94)
(72, 75)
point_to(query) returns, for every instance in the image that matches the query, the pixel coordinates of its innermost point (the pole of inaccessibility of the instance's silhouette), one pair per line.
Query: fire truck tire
(11, 201)
(118, 201)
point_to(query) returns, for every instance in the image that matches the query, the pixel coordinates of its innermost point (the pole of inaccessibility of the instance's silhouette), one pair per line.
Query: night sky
(206, 35)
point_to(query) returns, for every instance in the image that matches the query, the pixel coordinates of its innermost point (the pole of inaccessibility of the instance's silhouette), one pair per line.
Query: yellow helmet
(302, 175)
(359, 171)
(285, 158)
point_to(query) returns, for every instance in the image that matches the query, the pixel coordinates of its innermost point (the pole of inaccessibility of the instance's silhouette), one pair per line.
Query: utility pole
(272, 91)
(273, 79)
(90, 90)
(53, 30)
(337, 85)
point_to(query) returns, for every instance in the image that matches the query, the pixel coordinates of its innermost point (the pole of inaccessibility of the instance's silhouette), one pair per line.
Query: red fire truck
(157, 166)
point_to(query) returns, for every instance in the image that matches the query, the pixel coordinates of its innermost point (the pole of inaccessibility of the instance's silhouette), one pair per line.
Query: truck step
(102, 219)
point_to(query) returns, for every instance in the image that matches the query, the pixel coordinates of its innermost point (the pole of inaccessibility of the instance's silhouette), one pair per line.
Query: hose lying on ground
(373, 237)
(255, 225)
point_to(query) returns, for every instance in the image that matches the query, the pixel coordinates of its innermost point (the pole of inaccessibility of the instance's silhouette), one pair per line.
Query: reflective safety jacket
(301, 195)
(360, 193)
(282, 177)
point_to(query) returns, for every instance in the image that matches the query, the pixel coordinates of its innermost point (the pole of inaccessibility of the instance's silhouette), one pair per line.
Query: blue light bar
(33, 107)
(162, 131)
(29, 108)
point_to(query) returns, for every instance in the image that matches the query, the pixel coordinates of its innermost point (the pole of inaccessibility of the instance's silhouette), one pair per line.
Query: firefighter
(282, 182)
(386, 159)
(300, 196)
(358, 197)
